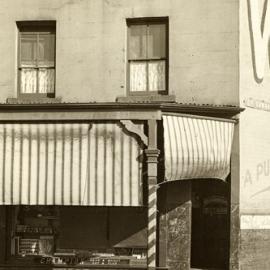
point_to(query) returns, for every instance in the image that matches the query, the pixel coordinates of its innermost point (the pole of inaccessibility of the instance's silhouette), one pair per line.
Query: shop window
(68, 235)
(91, 232)
(36, 58)
(35, 230)
(147, 56)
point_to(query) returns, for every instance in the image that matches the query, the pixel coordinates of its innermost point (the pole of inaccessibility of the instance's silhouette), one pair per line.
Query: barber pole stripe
(197, 147)
(152, 223)
(69, 164)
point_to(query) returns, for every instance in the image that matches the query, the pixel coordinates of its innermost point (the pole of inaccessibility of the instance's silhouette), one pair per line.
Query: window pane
(138, 76)
(28, 80)
(46, 80)
(28, 49)
(46, 48)
(137, 41)
(77, 222)
(156, 41)
(157, 81)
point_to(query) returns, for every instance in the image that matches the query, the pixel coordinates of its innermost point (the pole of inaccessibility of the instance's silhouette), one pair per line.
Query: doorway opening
(210, 231)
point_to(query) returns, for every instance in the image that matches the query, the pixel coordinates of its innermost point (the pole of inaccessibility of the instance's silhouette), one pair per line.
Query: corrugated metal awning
(197, 147)
(69, 164)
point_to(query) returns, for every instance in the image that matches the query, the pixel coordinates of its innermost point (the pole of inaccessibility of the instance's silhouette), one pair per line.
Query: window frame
(148, 21)
(34, 27)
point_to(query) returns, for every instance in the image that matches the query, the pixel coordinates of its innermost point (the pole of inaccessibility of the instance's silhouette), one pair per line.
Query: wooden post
(152, 154)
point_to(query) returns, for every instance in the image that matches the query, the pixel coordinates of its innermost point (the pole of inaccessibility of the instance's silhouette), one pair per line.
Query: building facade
(134, 134)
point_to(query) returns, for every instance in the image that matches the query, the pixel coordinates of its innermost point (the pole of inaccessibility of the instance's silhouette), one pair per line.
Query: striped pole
(151, 228)
(152, 154)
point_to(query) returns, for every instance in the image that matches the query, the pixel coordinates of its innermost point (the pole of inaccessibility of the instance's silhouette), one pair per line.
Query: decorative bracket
(131, 127)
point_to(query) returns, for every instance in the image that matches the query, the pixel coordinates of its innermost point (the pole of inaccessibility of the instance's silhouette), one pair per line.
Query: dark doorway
(210, 224)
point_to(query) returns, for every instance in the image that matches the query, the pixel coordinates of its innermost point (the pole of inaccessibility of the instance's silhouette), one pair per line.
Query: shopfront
(194, 199)
(112, 192)
(72, 194)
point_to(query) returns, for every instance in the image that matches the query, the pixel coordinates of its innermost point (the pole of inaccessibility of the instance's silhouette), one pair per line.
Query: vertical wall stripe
(71, 165)
(122, 166)
(139, 199)
(29, 163)
(2, 189)
(38, 162)
(198, 148)
(80, 164)
(8, 164)
(180, 144)
(130, 171)
(54, 163)
(42, 166)
(169, 141)
(21, 168)
(89, 161)
(210, 158)
(31, 168)
(188, 147)
(176, 143)
(67, 160)
(58, 164)
(4, 164)
(15, 170)
(226, 143)
(109, 164)
(46, 164)
(12, 167)
(207, 143)
(105, 139)
(63, 165)
(96, 166)
(113, 164)
(92, 165)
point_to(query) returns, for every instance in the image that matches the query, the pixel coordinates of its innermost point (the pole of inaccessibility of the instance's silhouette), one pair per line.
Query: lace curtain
(147, 75)
(37, 80)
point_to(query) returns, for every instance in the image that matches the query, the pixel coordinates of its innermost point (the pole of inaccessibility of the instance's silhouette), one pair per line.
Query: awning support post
(152, 154)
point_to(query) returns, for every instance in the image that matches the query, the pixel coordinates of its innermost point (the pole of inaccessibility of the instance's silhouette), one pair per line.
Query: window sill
(33, 100)
(147, 99)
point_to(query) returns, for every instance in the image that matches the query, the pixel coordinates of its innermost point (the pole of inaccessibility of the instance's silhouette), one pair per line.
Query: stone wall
(255, 249)
(175, 225)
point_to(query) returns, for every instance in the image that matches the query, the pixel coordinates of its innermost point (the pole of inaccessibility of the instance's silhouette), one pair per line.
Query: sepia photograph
(135, 135)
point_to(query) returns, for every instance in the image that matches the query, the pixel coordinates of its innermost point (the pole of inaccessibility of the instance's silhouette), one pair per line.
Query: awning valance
(197, 147)
(69, 164)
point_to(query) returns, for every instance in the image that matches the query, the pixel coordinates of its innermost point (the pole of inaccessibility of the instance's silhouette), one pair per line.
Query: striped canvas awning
(197, 147)
(69, 164)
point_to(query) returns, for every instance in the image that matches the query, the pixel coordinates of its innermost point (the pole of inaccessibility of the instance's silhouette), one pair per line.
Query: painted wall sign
(258, 104)
(260, 35)
(255, 222)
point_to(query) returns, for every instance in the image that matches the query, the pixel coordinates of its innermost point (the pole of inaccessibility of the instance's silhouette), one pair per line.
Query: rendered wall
(91, 46)
(254, 137)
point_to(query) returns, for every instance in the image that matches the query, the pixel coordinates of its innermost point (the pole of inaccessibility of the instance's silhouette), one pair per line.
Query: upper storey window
(147, 55)
(36, 61)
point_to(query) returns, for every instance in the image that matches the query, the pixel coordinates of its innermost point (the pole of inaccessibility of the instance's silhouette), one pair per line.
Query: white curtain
(156, 71)
(37, 80)
(28, 80)
(138, 76)
(46, 80)
(151, 73)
